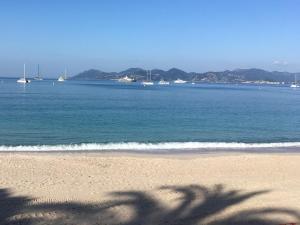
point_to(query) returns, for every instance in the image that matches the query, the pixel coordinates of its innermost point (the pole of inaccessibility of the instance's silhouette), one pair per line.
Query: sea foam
(136, 146)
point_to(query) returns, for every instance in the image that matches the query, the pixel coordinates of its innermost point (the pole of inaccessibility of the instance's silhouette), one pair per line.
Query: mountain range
(227, 76)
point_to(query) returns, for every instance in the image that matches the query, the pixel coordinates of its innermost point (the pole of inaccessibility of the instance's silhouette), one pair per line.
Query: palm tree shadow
(10, 206)
(196, 205)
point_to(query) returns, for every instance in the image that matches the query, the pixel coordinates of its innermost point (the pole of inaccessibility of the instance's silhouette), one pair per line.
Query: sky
(112, 35)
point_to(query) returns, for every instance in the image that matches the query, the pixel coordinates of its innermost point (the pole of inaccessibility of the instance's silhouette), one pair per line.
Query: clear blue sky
(113, 35)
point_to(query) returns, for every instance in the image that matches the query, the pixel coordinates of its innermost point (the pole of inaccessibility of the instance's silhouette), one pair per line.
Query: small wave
(136, 146)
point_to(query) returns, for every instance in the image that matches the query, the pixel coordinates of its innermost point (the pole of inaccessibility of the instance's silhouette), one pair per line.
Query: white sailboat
(148, 82)
(295, 85)
(38, 77)
(63, 77)
(23, 79)
(179, 81)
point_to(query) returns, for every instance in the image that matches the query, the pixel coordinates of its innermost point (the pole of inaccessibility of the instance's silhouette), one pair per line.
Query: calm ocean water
(96, 115)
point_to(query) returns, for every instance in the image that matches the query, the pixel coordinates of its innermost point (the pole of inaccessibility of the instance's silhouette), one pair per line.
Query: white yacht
(126, 79)
(179, 81)
(38, 77)
(163, 82)
(148, 82)
(63, 77)
(295, 85)
(23, 79)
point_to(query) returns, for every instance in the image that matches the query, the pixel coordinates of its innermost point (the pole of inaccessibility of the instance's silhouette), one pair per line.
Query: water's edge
(165, 147)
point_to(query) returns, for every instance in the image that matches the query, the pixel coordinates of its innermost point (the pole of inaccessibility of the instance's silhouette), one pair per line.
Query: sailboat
(38, 77)
(63, 77)
(23, 79)
(148, 82)
(295, 85)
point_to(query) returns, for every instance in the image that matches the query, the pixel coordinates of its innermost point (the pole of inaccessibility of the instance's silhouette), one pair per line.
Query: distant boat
(148, 82)
(63, 77)
(23, 80)
(179, 81)
(295, 85)
(126, 79)
(38, 77)
(163, 82)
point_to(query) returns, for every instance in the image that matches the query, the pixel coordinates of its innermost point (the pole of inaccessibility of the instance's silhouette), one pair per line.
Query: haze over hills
(227, 76)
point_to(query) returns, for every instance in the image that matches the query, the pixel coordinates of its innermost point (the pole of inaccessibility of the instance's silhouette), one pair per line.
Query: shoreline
(166, 152)
(159, 147)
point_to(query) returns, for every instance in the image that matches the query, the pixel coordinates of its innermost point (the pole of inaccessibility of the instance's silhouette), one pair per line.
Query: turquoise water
(108, 113)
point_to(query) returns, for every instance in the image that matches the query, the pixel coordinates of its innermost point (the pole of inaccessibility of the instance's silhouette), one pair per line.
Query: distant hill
(227, 76)
(94, 75)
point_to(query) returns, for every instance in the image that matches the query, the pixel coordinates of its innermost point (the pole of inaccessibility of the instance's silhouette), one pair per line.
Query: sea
(111, 116)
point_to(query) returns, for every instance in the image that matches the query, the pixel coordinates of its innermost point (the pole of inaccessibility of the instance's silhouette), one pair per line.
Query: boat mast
(38, 75)
(150, 74)
(24, 71)
(65, 74)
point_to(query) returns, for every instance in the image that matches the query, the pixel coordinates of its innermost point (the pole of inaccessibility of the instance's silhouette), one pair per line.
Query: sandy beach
(94, 188)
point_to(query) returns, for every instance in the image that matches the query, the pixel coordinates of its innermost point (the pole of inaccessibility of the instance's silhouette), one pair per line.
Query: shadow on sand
(195, 205)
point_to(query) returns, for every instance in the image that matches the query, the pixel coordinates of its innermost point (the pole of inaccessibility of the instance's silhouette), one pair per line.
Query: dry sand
(61, 188)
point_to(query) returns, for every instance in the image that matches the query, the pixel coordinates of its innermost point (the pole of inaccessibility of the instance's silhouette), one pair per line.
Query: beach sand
(95, 188)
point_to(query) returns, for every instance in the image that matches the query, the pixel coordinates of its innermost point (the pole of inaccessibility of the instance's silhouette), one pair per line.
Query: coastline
(160, 152)
(91, 178)
(160, 147)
